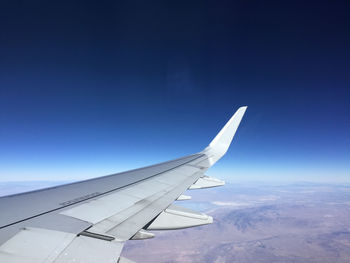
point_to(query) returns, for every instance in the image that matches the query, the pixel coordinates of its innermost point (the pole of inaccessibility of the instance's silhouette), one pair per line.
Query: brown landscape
(301, 222)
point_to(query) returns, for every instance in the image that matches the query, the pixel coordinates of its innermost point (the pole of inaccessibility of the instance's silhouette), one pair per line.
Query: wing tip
(220, 144)
(242, 108)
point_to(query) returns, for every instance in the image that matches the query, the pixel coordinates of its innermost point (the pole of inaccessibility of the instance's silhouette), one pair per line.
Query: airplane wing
(89, 221)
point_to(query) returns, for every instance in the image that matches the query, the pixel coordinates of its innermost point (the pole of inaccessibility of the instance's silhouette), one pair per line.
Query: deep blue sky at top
(94, 87)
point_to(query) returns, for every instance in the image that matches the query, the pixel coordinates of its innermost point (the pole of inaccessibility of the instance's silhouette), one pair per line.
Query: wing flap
(90, 250)
(35, 245)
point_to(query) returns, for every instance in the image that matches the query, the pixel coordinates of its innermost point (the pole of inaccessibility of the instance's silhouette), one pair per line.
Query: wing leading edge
(89, 221)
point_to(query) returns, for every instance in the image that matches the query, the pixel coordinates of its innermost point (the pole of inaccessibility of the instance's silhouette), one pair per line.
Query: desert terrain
(300, 222)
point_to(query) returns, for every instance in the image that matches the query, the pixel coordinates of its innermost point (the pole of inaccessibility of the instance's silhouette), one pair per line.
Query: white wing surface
(90, 221)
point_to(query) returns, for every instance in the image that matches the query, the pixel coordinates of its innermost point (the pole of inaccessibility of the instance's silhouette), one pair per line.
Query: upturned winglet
(219, 146)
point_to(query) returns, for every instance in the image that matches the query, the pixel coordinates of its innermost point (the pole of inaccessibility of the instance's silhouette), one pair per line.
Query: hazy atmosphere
(90, 88)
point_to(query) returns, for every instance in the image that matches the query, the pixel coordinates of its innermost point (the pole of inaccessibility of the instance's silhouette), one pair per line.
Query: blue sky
(92, 88)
